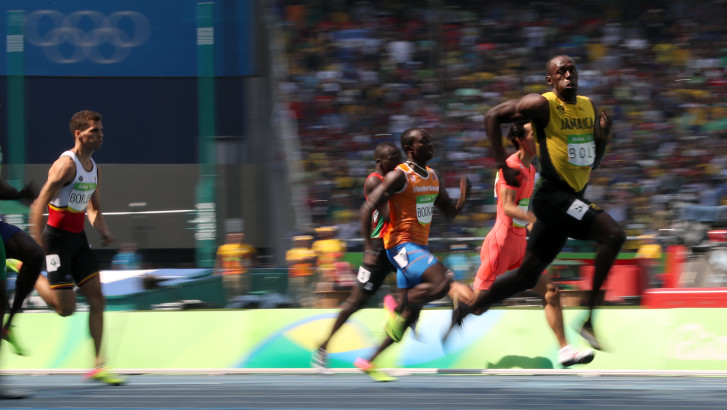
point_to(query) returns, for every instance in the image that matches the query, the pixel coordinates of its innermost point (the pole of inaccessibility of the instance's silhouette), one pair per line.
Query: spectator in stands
(301, 260)
(234, 259)
(126, 258)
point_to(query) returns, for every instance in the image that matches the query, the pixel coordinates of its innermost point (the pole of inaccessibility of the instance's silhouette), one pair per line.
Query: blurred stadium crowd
(360, 72)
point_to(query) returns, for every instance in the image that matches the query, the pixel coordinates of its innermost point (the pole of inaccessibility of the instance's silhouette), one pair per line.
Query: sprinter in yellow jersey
(571, 141)
(412, 190)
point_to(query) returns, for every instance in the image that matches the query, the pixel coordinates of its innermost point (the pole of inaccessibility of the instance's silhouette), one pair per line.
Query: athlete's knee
(96, 302)
(441, 288)
(65, 310)
(552, 294)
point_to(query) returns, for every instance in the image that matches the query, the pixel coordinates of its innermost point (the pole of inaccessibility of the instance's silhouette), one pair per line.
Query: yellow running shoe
(373, 372)
(395, 327)
(103, 375)
(9, 336)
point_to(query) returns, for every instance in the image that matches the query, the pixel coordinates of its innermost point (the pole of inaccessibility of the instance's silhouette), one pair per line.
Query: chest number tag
(425, 207)
(581, 150)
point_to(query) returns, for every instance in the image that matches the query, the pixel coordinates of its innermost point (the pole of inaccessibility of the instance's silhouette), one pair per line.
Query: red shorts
(502, 251)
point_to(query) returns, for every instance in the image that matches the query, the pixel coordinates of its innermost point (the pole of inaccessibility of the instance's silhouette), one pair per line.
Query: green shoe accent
(9, 336)
(105, 376)
(379, 376)
(395, 327)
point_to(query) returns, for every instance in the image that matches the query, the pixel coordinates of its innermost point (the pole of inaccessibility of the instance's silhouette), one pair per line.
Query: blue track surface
(344, 391)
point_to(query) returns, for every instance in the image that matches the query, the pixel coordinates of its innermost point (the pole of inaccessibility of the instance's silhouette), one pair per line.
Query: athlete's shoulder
(375, 175)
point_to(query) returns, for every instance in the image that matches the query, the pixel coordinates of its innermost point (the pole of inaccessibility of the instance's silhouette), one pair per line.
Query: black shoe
(459, 311)
(587, 333)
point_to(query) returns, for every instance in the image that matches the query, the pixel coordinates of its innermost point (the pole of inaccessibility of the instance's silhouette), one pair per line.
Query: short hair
(407, 137)
(516, 131)
(80, 120)
(381, 149)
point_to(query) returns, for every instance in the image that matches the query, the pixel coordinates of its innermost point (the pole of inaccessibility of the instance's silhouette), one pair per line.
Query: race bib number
(363, 274)
(52, 263)
(401, 258)
(81, 194)
(523, 206)
(425, 208)
(581, 150)
(577, 209)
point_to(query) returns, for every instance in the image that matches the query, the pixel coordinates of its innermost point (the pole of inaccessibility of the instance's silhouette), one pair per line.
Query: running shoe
(11, 394)
(8, 394)
(103, 375)
(459, 311)
(373, 372)
(390, 304)
(320, 359)
(9, 336)
(587, 333)
(569, 355)
(395, 327)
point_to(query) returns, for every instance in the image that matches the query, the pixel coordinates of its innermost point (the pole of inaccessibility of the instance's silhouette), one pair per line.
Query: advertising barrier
(633, 338)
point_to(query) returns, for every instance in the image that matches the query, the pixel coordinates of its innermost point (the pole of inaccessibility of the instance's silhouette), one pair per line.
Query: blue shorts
(7, 231)
(411, 261)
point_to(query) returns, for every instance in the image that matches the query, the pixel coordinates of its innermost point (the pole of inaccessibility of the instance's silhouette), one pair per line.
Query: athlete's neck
(83, 155)
(421, 170)
(525, 157)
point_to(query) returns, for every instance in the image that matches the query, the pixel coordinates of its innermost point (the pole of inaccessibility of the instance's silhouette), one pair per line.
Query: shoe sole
(570, 363)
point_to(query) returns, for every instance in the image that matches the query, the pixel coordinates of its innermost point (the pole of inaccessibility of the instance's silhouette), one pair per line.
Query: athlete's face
(389, 160)
(421, 147)
(528, 143)
(563, 76)
(92, 136)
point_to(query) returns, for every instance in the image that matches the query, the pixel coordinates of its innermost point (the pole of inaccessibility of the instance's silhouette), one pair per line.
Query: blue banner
(131, 38)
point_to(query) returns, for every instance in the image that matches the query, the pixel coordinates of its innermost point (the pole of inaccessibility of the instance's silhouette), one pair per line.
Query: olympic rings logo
(87, 34)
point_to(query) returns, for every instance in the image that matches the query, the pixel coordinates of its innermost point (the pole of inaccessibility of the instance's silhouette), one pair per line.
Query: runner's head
(562, 75)
(387, 157)
(521, 136)
(417, 144)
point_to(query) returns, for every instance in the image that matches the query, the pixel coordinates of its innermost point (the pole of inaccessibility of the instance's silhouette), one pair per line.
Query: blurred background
(253, 123)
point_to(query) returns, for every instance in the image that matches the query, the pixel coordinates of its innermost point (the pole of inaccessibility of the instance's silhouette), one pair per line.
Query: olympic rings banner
(131, 38)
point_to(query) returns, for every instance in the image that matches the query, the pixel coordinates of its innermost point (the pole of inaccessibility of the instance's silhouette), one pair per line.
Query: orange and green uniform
(410, 215)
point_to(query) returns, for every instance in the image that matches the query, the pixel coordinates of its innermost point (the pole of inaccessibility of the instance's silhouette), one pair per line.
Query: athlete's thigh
(85, 265)
(371, 277)
(21, 245)
(497, 256)
(566, 212)
(545, 242)
(59, 248)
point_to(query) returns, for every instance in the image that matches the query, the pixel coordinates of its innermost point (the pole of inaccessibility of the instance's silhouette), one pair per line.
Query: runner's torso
(67, 210)
(566, 146)
(411, 209)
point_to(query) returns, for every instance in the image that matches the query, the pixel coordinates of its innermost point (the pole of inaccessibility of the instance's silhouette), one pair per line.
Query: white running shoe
(320, 359)
(569, 355)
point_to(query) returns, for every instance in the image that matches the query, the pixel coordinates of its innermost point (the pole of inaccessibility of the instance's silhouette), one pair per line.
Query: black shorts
(68, 259)
(371, 277)
(561, 213)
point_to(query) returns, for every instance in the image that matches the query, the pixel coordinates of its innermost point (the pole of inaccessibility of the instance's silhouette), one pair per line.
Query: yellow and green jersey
(566, 146)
